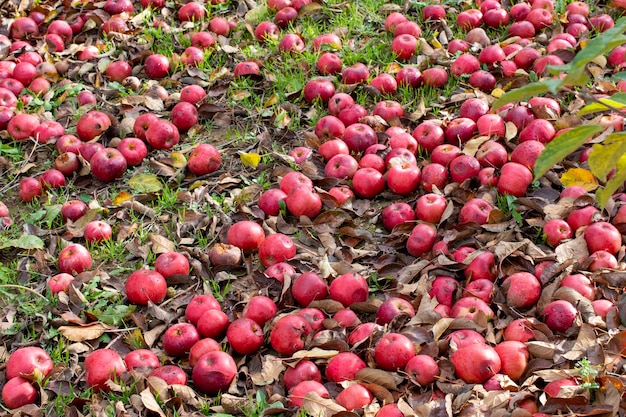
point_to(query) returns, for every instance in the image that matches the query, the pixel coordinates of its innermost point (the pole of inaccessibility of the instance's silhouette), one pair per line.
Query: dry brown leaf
(379, 377)
(83, 333)
(272, 368)
(148, 400)
(315, 405)
(161, 244)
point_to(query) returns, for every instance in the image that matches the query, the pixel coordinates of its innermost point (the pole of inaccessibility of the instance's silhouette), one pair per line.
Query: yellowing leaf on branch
(579, 176)
(250, 159)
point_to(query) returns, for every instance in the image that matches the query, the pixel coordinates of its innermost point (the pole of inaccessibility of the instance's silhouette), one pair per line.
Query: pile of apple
(368, 153)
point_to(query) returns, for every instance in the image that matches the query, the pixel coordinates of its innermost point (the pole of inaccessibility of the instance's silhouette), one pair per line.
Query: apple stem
(20, 287)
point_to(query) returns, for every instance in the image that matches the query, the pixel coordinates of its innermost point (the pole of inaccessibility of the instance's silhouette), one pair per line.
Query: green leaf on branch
(26, 242)
(600, 45)
(604, 156)
(522, 93)
(616, 181)
(616, 101)
(563, 145)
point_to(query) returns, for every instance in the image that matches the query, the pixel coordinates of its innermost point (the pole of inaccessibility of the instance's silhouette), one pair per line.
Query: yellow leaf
(274, 99)
(579, 176)
(436, 42)
(145, 183)
(250, 159)
(82, 333)
(178, 160)
(497, 92)
(121, 197)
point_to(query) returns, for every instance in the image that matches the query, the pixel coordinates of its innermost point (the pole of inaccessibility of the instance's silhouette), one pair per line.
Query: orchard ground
(311, 208)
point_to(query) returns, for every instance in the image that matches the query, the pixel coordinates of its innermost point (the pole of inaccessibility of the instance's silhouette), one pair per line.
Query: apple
(341, 166)
(520, 330)
(475, 210)
(464, 64)
(73, 210)
(374, 161)
(392, 307)
(246, 235)
(296, 396)
(101, 366)
(343, 367)
(421, 239)
(329, 63)
(192, 94)
(291, 42)
(339, 102)
(162, 135)
(363, 332)
(289, 334)
(556, 231)
(444, 154)
(581, 284)
(368, 182)
(526, 153)
(22, 126)
(602, 307)
(52, 179)
(304, 370)
(359, 137)
(481, 288)
(97, 231)
(314, 317)
(31, 362)
(435, 77)
(514, 179)
(422, 369)
(269, 201)
(491, 153)
(285, 16)
(266, 30)
(458, 45)
(308, 287)
(468, 307)
(48, 130)
(179, 338)
(553, 388)
(171, 263)
(354, 397)
(522, 289)
(67, 163)
(355, 74)
(349, 288)
(393, 351)
(404, 45)
(581, 217)
(199, 305)
(352, 114)
(201, 347)
(245, 336)
(602, 260)
(261, 309)
(346, 318)
(397, 213)
(92, 124)
(482, 266)
(404, 178)
(74, 259)
(409, 76)
(280, 270)
(469, 19)
(388, 110)
(390, 410)
(60, 282)
(603, 236)
(385, 84)
(145, 285)
(141, 358)
(18, 392)
(559, 315)
(294, 179)
(204, 159)
(318, 89)
(171, 374)
(108, 164)
(214, 372)
(459, 339)
(332, 147)
(476, 363)
(434, 175)
(302, 201)
(443, 288)
(134, 150)
(513, 357)
(300, 154)
(463, 167)
(276, 248)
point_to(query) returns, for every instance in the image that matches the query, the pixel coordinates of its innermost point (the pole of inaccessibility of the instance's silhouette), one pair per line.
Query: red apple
(199, 305)
(179, 338)
(101, 366)
(349, 288)
(476, 363)
(97, 231)
(74, 259)
(214, 372)
(393, 351)
(289, 334)
(523, 290)
(422, 369)
(108, 164)
(559, 315)
(141, 358)
(145, 285)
